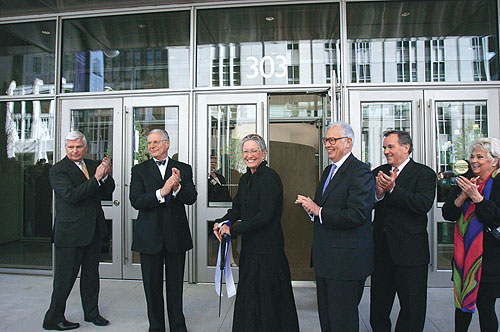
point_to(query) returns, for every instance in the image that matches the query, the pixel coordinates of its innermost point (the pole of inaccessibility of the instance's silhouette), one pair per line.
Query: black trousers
(410, 284)
(486, 297)
(152, 275)
(67, 264)
(338, 302)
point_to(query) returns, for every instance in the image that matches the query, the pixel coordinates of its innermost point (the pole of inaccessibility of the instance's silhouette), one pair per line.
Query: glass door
(442, 123)
(118, 127)
(222, 121)
(143, 114)
(457, 118)
(100, 120)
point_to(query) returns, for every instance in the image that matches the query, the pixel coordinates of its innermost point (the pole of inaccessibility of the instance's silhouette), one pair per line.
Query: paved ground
(25, 298)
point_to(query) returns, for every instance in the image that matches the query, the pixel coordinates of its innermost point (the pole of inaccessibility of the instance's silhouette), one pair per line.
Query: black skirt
(264, 298)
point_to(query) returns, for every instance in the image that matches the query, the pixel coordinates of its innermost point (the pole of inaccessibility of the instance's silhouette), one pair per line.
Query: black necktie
(161, 162)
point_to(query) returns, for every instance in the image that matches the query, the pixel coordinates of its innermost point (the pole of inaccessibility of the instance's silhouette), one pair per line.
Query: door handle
(116, 202)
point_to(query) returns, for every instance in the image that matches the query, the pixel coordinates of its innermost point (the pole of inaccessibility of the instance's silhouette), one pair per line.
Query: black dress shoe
(62, 326)
(98, 320)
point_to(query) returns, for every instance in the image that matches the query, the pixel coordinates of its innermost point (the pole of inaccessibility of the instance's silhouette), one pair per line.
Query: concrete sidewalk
(25, 298)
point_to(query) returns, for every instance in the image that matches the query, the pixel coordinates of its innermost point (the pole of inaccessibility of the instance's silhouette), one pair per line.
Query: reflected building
(210, 73)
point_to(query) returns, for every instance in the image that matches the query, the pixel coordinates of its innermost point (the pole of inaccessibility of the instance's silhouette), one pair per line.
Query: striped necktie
(395, 171)
(84, 170)
(329, 177)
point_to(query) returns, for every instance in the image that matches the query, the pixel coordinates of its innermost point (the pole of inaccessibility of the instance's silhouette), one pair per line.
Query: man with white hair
(79, 185)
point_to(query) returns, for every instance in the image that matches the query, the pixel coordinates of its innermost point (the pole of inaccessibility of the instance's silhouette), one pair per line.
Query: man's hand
(308, 205)
(103, 169)
(385, 183)
(172, 182)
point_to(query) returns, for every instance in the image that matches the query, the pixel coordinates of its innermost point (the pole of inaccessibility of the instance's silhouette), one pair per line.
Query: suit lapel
(406, 174)
(153, 169)
(74, 170)
(336, 178)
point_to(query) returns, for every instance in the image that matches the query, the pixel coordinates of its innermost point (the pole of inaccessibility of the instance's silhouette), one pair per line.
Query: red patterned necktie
(395, 171)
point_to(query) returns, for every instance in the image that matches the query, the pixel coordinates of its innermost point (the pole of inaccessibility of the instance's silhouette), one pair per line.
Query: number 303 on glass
(275, 67)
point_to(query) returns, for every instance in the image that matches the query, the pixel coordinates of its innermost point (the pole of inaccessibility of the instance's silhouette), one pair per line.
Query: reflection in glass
(126, 52)
(136, 256)
(97, 126)
(422, 41)
(268, 45)
(228, 125)
(156, 117)
(146, 119)
(445, 245)
(295, 106)
(107, 244)
(459, 123)
(378, 118)
(25, 191)
(27, 57)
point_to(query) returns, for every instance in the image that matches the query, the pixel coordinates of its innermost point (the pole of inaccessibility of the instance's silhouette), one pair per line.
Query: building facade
(210, 73)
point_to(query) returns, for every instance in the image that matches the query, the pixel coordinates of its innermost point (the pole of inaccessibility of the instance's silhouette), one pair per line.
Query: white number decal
(281, 65)
(253, 66)
(271, 65)
(259, 67)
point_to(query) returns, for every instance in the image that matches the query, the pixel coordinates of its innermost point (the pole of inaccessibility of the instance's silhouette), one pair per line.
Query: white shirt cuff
(160, 198)
(174, 193)
(320, 220)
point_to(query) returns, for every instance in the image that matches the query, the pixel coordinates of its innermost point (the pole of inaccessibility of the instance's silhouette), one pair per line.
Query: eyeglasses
(250, 151)
(331, 140)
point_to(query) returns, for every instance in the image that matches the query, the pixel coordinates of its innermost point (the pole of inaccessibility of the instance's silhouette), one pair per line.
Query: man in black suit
(79, 184)
(342, 244)
(217, 187)
(405, 194)
(160, 188)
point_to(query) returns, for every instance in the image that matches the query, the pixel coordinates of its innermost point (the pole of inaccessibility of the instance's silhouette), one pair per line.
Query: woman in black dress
(264, 298)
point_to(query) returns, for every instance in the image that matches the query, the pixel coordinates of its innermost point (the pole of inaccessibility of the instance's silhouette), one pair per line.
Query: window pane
(145, 120)
(378, 118)
(445, 245)
(228, 125)
(127, 52)
(459, 123)
(157, 117)
(97, 126)
(295, 106)
(27, 58)
(26, 204)
(440, 40)
(268, 45)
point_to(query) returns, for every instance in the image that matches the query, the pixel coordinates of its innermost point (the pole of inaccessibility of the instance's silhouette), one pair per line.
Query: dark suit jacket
(402, 215)
(488, 213)
(78, 203)
(166, 222)
(342, 245)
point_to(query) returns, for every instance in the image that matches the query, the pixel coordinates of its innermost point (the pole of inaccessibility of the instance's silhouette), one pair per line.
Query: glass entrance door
(222, 121)
(118, 127)
(100, 120)
(143, 114)
(442, 123)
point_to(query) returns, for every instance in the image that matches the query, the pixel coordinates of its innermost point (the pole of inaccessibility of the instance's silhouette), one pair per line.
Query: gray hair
(76, 135)
(163, 133)
(404, 138)
(490, 145)
(346, 129)
(257, 138)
